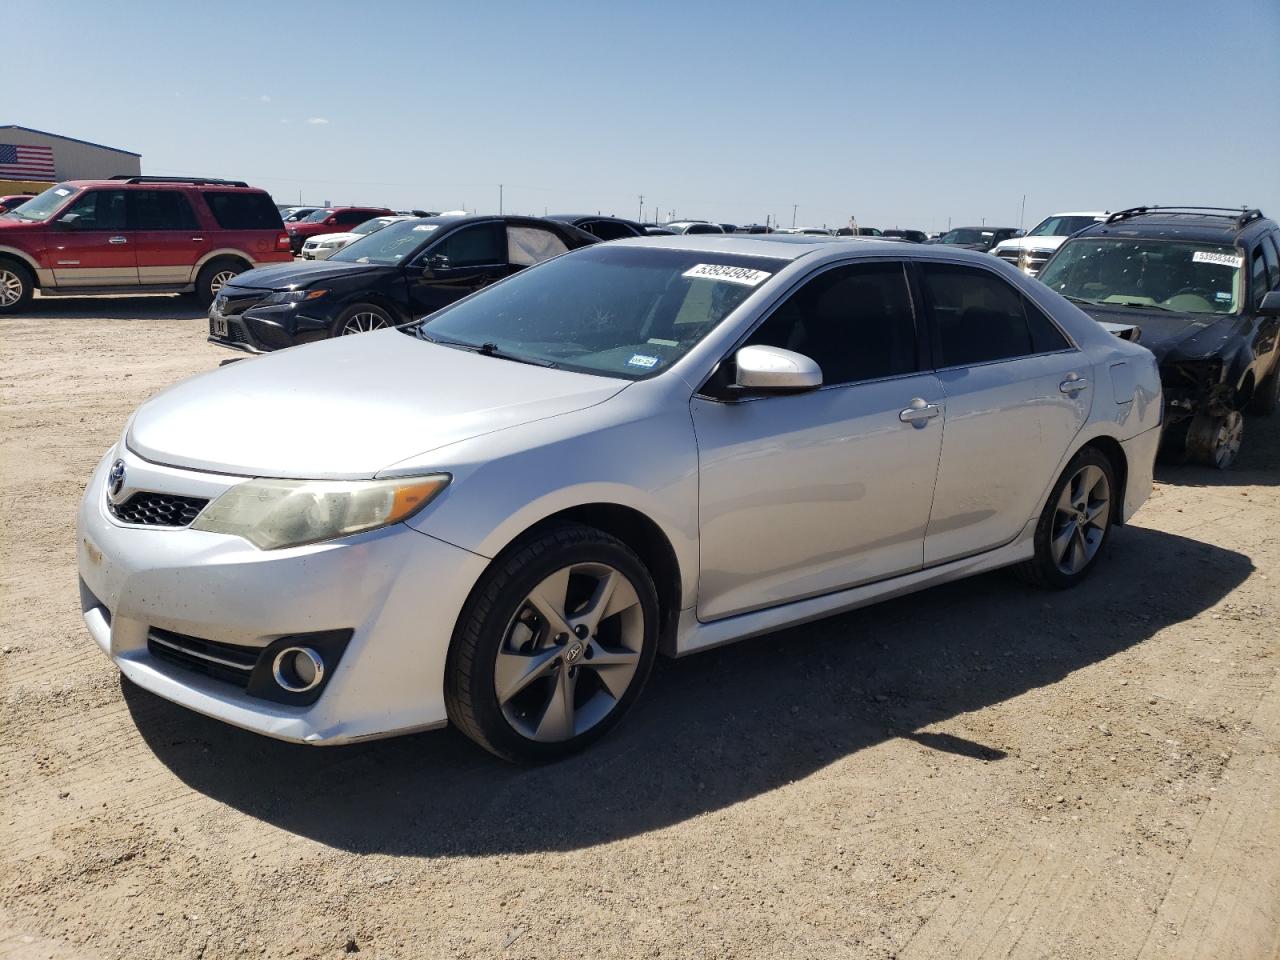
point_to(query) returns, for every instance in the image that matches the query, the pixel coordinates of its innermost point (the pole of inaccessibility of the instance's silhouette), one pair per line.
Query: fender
(220, 252)
(44, 278)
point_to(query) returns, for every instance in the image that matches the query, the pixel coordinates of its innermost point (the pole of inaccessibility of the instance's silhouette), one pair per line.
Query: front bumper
(263, 329)
(397, 590)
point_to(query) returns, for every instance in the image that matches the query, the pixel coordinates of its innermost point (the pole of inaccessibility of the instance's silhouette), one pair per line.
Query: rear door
(1017, 392)
(167, 237)
(95, 249)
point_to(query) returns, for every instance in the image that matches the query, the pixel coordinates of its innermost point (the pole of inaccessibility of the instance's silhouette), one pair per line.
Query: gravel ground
(982, 770)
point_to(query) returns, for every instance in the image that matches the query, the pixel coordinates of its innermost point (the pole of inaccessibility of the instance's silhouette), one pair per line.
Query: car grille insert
(222, 661)
(158, 509)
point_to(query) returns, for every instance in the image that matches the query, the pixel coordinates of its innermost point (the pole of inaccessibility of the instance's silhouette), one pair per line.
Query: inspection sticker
(722, 271)
(640, 360)
(1221, 259)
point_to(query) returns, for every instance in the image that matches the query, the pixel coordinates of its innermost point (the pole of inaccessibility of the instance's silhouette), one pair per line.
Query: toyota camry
(498, 516)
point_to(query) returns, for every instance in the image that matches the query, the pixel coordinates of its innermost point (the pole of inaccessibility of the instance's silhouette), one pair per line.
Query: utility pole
(794, 208)
(499, 198)
(1022, 214)
(640, 215)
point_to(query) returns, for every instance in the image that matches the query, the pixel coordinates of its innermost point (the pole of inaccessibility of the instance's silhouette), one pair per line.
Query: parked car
(417, 213)
(693, 226)
(1030, 252)
(294, 214)
(755, 228)
(976, 238)
(729, 227)
(137, 235)
(324, 245)
(606, 228)
(657, 230)
(911, 236)
(330, 220)
(403, 271)
(13, 200)
(1200, 284)
(498, 516)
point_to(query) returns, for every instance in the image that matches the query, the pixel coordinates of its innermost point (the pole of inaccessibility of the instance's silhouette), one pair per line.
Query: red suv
(331, 220)
(137, 235)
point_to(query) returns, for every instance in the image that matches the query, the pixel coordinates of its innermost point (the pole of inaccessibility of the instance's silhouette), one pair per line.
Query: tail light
(282, 242)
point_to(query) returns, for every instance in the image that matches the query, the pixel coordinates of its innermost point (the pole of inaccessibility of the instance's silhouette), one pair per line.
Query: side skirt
(692, 635)
(47, 291)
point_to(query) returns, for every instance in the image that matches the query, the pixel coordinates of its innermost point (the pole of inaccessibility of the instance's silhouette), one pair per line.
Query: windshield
(1061, 226)
(968, 235)
(625, 312)
(43, 205)
(1161, 274)
(390, 246)
(317, 217)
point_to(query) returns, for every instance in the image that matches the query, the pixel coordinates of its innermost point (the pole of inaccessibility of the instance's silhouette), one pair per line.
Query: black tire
(17, 286)
(471, 697)
(1043, 569)
(1214, 441)
(344, 325)
(213, 275)
(1266, 398)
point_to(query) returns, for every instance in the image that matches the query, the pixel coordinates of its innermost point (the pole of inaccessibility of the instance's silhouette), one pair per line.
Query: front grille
(1034, 259)
(235, 333)
(222, 661)
(158, 509)
(233, 301)
(1010, 256)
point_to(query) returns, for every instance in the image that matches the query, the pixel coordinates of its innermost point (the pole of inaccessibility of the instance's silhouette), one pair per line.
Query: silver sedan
(499, 515)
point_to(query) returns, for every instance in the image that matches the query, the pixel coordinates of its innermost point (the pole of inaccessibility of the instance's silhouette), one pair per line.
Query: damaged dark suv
(1200, 286)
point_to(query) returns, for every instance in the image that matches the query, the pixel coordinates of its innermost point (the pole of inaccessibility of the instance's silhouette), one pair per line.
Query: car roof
(194, 184)
(1198, 227)
(793, 246)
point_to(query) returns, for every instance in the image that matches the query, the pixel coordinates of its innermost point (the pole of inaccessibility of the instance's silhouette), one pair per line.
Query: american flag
(18, 161)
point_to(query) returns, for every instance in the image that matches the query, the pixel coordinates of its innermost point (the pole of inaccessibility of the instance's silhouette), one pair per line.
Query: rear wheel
(1074, 524)
(362, 318)
(1215, 440)
(17, 286)
(554, 645)
(214, 276)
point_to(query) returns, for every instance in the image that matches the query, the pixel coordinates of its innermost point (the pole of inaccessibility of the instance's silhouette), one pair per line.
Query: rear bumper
(1140, 457)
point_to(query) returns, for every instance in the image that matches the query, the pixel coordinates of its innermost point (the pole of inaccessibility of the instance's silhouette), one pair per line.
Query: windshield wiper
(486, 349)
(1078, 299)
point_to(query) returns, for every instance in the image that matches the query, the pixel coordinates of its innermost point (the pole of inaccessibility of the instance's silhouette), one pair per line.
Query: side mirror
(774, 370)
(436, 263)
(1270, 306)
(68, 221)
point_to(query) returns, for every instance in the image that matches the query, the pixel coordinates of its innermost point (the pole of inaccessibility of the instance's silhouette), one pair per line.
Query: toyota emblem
(115, 479)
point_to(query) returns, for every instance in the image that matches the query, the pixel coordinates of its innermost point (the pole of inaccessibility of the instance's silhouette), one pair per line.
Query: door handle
(118, 240)
(919, 413)
(197, 239)
(1073, 385)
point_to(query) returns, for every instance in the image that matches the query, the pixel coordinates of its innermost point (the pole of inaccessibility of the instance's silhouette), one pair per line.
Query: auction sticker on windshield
(723, 271)
(1221, 259)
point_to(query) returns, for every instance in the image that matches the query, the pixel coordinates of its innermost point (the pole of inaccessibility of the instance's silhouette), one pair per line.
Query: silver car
(498, 516)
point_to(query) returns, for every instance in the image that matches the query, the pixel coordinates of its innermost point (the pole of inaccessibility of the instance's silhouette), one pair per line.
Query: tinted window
(1045, 335)
(351, 217)
(608, 229)
(100, 210)
(979, 316)
(483, 243)
(162, 210)
(1269, 251)
(243, 211)
(855, 321)
(1258, 276)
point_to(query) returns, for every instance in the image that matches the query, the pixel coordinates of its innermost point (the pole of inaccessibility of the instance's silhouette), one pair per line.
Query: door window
(481, 244)
(347, 218)
(981, 318)
(1258, 276)
(856, 322)
(529, 245)
(100, 210)
(608, 230)
(1273, 260)
(162, 210)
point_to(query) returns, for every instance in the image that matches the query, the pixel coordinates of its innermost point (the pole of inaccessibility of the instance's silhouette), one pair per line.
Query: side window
(243, 211)
(162, 210)
(607, 230)
(529, 245)
(980, 317)
(101, 210)
(481, 244)
(1045, 335)
(349, 218)
(1272, 256)
(856, 322)
(1258, 280)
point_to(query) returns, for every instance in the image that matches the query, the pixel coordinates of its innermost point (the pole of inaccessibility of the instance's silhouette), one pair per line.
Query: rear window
(243, 211)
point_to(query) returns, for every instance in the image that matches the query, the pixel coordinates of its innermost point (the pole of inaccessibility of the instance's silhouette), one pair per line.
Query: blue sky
(902, 113)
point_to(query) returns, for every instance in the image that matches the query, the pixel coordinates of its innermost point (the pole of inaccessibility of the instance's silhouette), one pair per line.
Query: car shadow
(1258, 463)
(714, 729)
(115, 307)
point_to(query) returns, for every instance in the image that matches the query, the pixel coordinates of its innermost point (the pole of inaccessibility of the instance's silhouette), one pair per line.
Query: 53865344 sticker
(1221, 259)
(728, 273)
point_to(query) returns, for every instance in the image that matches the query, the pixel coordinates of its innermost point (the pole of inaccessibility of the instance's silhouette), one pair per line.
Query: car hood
(1029, 243)
(350, 407)
(286, 276)
(1177, 335)
(322, 237)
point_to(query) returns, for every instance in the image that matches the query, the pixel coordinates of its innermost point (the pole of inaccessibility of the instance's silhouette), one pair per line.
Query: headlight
(288, 513)
(292, 296)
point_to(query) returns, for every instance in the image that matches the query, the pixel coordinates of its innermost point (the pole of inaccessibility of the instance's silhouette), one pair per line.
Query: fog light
(298, 669)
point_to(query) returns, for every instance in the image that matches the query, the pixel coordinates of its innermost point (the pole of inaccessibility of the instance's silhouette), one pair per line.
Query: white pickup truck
(1030, 251)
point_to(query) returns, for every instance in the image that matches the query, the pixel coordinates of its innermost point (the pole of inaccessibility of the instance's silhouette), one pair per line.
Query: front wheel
(362, 318)
(1074, 524)
(553, 646)
(1215, 440)
(213, 277)
(17, 286)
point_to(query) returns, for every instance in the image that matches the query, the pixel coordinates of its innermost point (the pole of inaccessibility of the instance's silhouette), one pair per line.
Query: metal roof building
(27, 154)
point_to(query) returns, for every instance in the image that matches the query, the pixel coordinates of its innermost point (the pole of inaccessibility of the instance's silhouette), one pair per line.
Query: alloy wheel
(1227, 439)
(11, 288)
(220, 280)
(570, 652)
(1080, 519)
(363, 322)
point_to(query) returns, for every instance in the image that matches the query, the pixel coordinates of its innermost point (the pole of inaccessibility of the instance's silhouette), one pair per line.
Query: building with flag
(35, 156)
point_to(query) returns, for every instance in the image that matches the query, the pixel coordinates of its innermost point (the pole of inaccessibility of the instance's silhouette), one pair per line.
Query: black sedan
(398, 274)
(605, 228)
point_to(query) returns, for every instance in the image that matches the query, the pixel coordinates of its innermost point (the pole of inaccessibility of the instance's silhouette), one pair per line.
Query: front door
(167, 237)
(808, 494)
(94, 248)
(456, 265)
(1017, 391)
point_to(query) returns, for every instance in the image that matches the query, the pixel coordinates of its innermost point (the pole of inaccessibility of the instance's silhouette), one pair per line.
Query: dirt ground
(979, 771)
